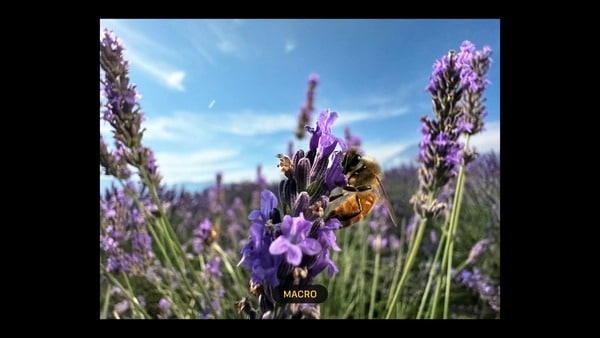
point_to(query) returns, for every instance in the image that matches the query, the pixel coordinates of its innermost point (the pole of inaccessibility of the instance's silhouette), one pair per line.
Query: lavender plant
(304, 117)
(457, 85)
(140, 250)
(291, 247)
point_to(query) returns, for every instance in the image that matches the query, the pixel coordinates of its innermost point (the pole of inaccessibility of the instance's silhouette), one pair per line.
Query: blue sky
(224, 95)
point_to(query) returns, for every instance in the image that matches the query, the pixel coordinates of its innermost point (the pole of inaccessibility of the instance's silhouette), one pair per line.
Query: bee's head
(351, 161)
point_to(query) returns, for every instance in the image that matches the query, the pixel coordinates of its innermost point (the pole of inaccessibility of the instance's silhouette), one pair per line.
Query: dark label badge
(301, 294)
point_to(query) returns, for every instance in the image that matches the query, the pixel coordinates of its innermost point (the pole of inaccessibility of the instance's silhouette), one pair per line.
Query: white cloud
(227, 41)
(226, 46)
(165, 128)
(195, 166)
(175, 80)
(251, 123)
(248, 123)
(211, 104)
(384, 152)
(349, 116)
(138, 47)
(289, 46)
(170, 78)
(389, 155)
(487, 140)
(199, 167)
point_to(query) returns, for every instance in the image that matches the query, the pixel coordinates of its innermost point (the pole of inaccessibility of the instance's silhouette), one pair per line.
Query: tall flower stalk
(153, 234)
(289, 238)
(304, 117)
(456, 84)
(474, 66)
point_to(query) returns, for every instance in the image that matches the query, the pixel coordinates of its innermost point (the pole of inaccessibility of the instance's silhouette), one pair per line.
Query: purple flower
(293, 250)
(216, 195)
(322, 138)
(294, 241)
(142, 242)
(201, 236)
(255, 254)
(151, 165)
(326, 235)
(260, 179)
(323, 261)
(383, 235)
(335, 176)
(351, 140)
(464, 126)
(440, 67)
(212, 266)
(307, 109)
(478, 249)
(164, 305)
(268, 202)
(481, 284)
(124, 240)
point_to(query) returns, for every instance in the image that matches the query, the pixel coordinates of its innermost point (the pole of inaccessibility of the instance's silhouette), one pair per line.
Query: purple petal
(268, 202)
(254, 215)
(280, 245)
(294, 255)
(310, 246)
(256, 232)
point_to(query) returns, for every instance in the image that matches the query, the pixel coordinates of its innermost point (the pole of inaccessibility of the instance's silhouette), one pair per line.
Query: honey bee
(356, 200)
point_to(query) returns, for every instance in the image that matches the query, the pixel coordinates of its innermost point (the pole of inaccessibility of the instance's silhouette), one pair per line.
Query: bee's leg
(334, 197)
(357, 189)
(351, 189)
(351, 215)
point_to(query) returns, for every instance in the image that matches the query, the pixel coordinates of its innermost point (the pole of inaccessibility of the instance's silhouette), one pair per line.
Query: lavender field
(225, 252)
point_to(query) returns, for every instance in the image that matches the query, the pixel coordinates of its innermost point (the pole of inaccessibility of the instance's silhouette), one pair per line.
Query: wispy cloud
(195, 166)
(227, 41)
(214, 38)
(350, 116)
(289, 46)
(251, 123)
(487, 140)
(385, 152)
(168, 128)
(138, 47)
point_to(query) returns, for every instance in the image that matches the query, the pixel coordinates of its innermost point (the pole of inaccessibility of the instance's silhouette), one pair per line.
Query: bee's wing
(337, 197)
(386, 201)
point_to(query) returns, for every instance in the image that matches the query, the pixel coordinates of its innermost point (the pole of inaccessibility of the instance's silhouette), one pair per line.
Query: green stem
(234, 273)
(432, 270)
(448, 282)
(398, 265)
(375, 280)
(436, 296)
(414, 248)
(456, 206)
(106, 301)
(128, 291)
(175, 246)
(361, 292)
(156, 238)
(447, 232)
(461, 266)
